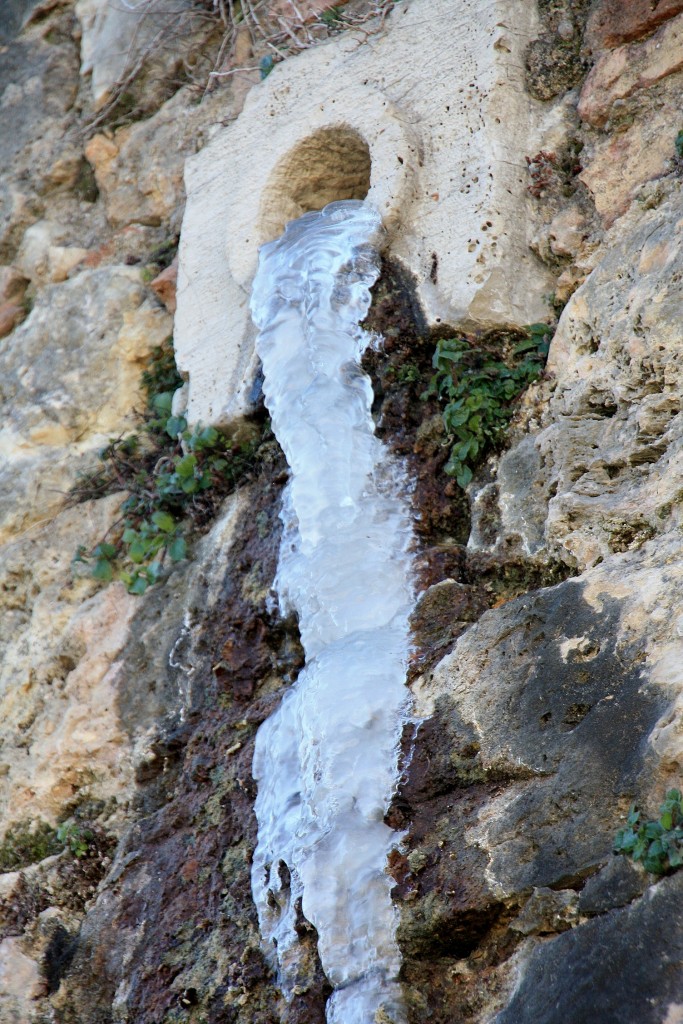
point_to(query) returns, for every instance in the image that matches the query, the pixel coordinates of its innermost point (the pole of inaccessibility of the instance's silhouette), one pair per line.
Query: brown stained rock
(614, 22)
(184, 866)
(442, 613)
(11, 315)
(164, 285)
(627, 70)
(513, 790)
(13, 285)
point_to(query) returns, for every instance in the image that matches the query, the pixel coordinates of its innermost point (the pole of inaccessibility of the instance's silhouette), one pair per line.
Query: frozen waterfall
(326, 760)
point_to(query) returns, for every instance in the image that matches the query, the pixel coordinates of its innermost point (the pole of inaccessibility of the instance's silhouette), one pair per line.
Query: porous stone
(67, 384)
(118, 38)
(164, 285)
(11, 314)
(602, 476)
(139, 169)
(618, 960)
(13, 284)
(59, 639)
(42, 258)
(630, 69)
(38, 86)
(612, 22)
(441, 155)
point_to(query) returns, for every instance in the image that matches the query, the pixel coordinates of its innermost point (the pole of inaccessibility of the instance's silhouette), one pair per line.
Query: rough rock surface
(547, 663)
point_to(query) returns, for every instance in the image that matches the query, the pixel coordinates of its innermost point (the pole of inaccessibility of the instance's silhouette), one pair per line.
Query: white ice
(326, 760)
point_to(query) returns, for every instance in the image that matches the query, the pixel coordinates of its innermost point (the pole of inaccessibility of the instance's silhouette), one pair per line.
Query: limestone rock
(65, 383)
(41, 259)
(11, 314)
(20, 982)
(419, 145)
(139, 170)
(601, 477)
(38, 85)
(62, 379)
(600, 966)
(117, 38)
(629, 69)
(164, 285)
(59, 638)
(612, 22)
(12, 284)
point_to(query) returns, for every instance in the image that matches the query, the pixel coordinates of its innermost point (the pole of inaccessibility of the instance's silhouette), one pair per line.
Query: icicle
(326, 761)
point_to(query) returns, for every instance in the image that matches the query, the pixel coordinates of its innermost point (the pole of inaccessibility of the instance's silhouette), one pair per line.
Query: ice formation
(326, 760)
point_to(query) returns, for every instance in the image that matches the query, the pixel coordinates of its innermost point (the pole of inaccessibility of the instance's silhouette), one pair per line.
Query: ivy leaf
(103, 570)
(162, 402)
(138, 585)
(175, 425)
(137, 552)
(164, 521)
(177, 549)
(185, 466)
(104, 551)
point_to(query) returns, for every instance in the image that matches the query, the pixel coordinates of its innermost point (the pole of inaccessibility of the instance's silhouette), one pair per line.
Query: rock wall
(527, 162)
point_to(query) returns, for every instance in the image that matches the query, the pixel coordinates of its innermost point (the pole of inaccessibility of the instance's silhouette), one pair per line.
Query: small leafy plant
(479, 388)
(76, 839)
(657, 845)
(176, 478)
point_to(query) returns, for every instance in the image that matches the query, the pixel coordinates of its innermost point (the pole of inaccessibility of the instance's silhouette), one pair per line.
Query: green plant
(27, 843)
(266, 65)
(75, 838)
(479, 386)
(658, 845)
(678, 144)
(332, 17)
(176, 478)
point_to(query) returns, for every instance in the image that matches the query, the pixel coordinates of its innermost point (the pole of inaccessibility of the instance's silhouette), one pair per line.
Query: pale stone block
(428, 118)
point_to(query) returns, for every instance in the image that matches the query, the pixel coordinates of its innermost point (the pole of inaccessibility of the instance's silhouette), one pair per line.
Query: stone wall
(526, 161)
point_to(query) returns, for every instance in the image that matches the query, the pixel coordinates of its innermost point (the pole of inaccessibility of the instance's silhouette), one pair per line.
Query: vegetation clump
(479, 386)
(657, 845)
(176, 478)
(28, 843)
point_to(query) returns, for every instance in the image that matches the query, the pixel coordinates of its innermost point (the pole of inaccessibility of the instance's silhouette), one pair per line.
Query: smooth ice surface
(326, 761)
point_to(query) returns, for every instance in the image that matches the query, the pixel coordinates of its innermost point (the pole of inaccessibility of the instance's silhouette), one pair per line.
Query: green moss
(28, 842)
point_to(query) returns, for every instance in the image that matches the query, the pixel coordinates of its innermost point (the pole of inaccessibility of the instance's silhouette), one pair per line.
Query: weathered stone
(612, 22)
(164, 285)
(619, 883)
(629, 958)
(38, 85)
(11, 314)
(13, 285)
(20, 982)
(63, 379)
(13, 17)
(139, 170)
(67, 386)
(419, 146)
(552, 68)
(547, 912)
(41, 259)
(602, 476)
(630, 69)
(118, 38)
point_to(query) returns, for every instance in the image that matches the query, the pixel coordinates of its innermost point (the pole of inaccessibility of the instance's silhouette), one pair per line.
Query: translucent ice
(326, 761)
